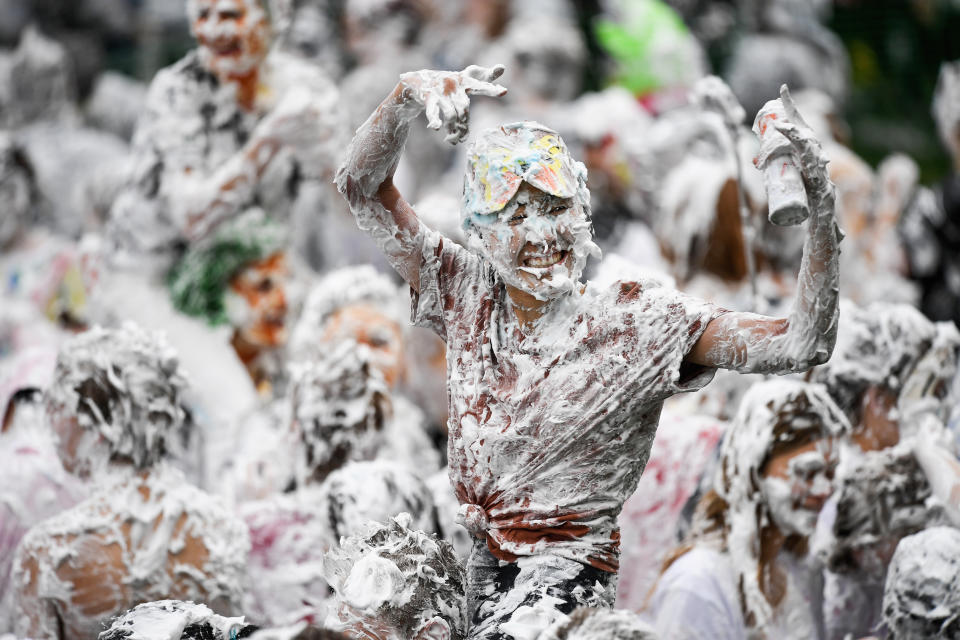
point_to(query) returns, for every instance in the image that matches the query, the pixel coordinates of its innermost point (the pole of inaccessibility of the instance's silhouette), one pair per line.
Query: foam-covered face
(232, 35)
(365, 324)
(796, 483)
(257, 302)
(538, 243)
(338, 423)
(81, 451)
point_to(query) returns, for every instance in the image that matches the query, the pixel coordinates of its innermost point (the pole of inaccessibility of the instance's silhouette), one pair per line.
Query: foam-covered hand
(445, 95)
(812, 160)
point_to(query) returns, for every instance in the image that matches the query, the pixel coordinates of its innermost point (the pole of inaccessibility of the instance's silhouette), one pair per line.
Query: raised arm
(205, 202)
(752, 343)
(366, 176)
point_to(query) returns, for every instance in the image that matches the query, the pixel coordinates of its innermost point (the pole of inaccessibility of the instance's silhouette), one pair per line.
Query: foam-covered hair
(400, 576)
(921, 598)
(881, 345)
(271, 7)
(773, 415)
(376, 490)
(884, 497)
(198, 282)
(126, 385)
(338, 407)
(338, 289)
(175, 620)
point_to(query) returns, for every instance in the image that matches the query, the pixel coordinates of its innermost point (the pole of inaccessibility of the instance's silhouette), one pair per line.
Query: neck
(248, 352)
(526, 308)
(246, 85)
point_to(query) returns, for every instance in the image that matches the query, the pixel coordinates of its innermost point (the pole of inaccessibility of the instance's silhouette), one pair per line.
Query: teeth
(547, 261)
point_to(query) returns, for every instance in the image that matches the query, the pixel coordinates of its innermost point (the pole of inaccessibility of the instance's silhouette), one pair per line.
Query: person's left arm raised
(752, 343)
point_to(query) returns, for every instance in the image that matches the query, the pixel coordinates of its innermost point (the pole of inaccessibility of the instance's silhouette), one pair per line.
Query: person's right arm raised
(366, 176)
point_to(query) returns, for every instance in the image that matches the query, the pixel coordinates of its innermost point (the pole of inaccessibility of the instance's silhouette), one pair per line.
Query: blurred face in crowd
(367, 325)
(262, 288)
(797, 482)
(338, 419)
(232, 35)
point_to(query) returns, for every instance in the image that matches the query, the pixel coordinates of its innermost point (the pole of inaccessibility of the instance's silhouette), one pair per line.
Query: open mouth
(226, 48)
(544, 261)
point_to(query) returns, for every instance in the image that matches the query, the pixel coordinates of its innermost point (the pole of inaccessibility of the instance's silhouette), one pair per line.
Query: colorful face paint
(526, 209)
(503, 158)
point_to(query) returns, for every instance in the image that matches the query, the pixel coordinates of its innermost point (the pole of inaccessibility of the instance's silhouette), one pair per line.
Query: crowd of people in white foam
(219, 422)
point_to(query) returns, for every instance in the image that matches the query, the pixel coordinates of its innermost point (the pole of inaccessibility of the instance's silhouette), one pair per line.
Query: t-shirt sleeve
(450, 278)
(669, 323)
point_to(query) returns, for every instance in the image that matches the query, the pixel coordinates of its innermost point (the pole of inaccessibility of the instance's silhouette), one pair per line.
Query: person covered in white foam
(233, 126)
(745, 571)
(555, 387)
(362, 305)
(891, 373)
(339, 410)
(145, 533)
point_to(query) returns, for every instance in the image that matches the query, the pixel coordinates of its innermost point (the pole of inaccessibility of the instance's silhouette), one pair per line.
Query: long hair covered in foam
(774, 415)
(123, 384)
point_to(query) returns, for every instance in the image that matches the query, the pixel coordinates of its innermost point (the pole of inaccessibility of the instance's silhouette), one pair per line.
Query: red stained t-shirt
(549, 432)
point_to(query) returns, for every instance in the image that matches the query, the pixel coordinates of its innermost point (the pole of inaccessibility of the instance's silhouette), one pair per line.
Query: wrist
(404, 101)
(262, 152)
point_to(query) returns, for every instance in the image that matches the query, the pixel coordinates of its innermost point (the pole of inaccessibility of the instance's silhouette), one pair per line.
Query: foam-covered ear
(436, 628)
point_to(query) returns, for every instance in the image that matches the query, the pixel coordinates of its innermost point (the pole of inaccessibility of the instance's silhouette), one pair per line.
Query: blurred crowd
(218, 421)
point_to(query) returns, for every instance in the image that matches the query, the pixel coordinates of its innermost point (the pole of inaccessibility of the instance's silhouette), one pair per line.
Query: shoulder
(208, 521)
(187, 76)
(698, 593)
(60, 547)
(700, 577)
(289, 70)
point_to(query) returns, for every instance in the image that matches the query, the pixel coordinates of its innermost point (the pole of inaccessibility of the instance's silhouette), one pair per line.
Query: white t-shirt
(696, 597)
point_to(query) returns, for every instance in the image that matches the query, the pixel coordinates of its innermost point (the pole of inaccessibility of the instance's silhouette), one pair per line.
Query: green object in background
(198, 282)
(640, 44)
